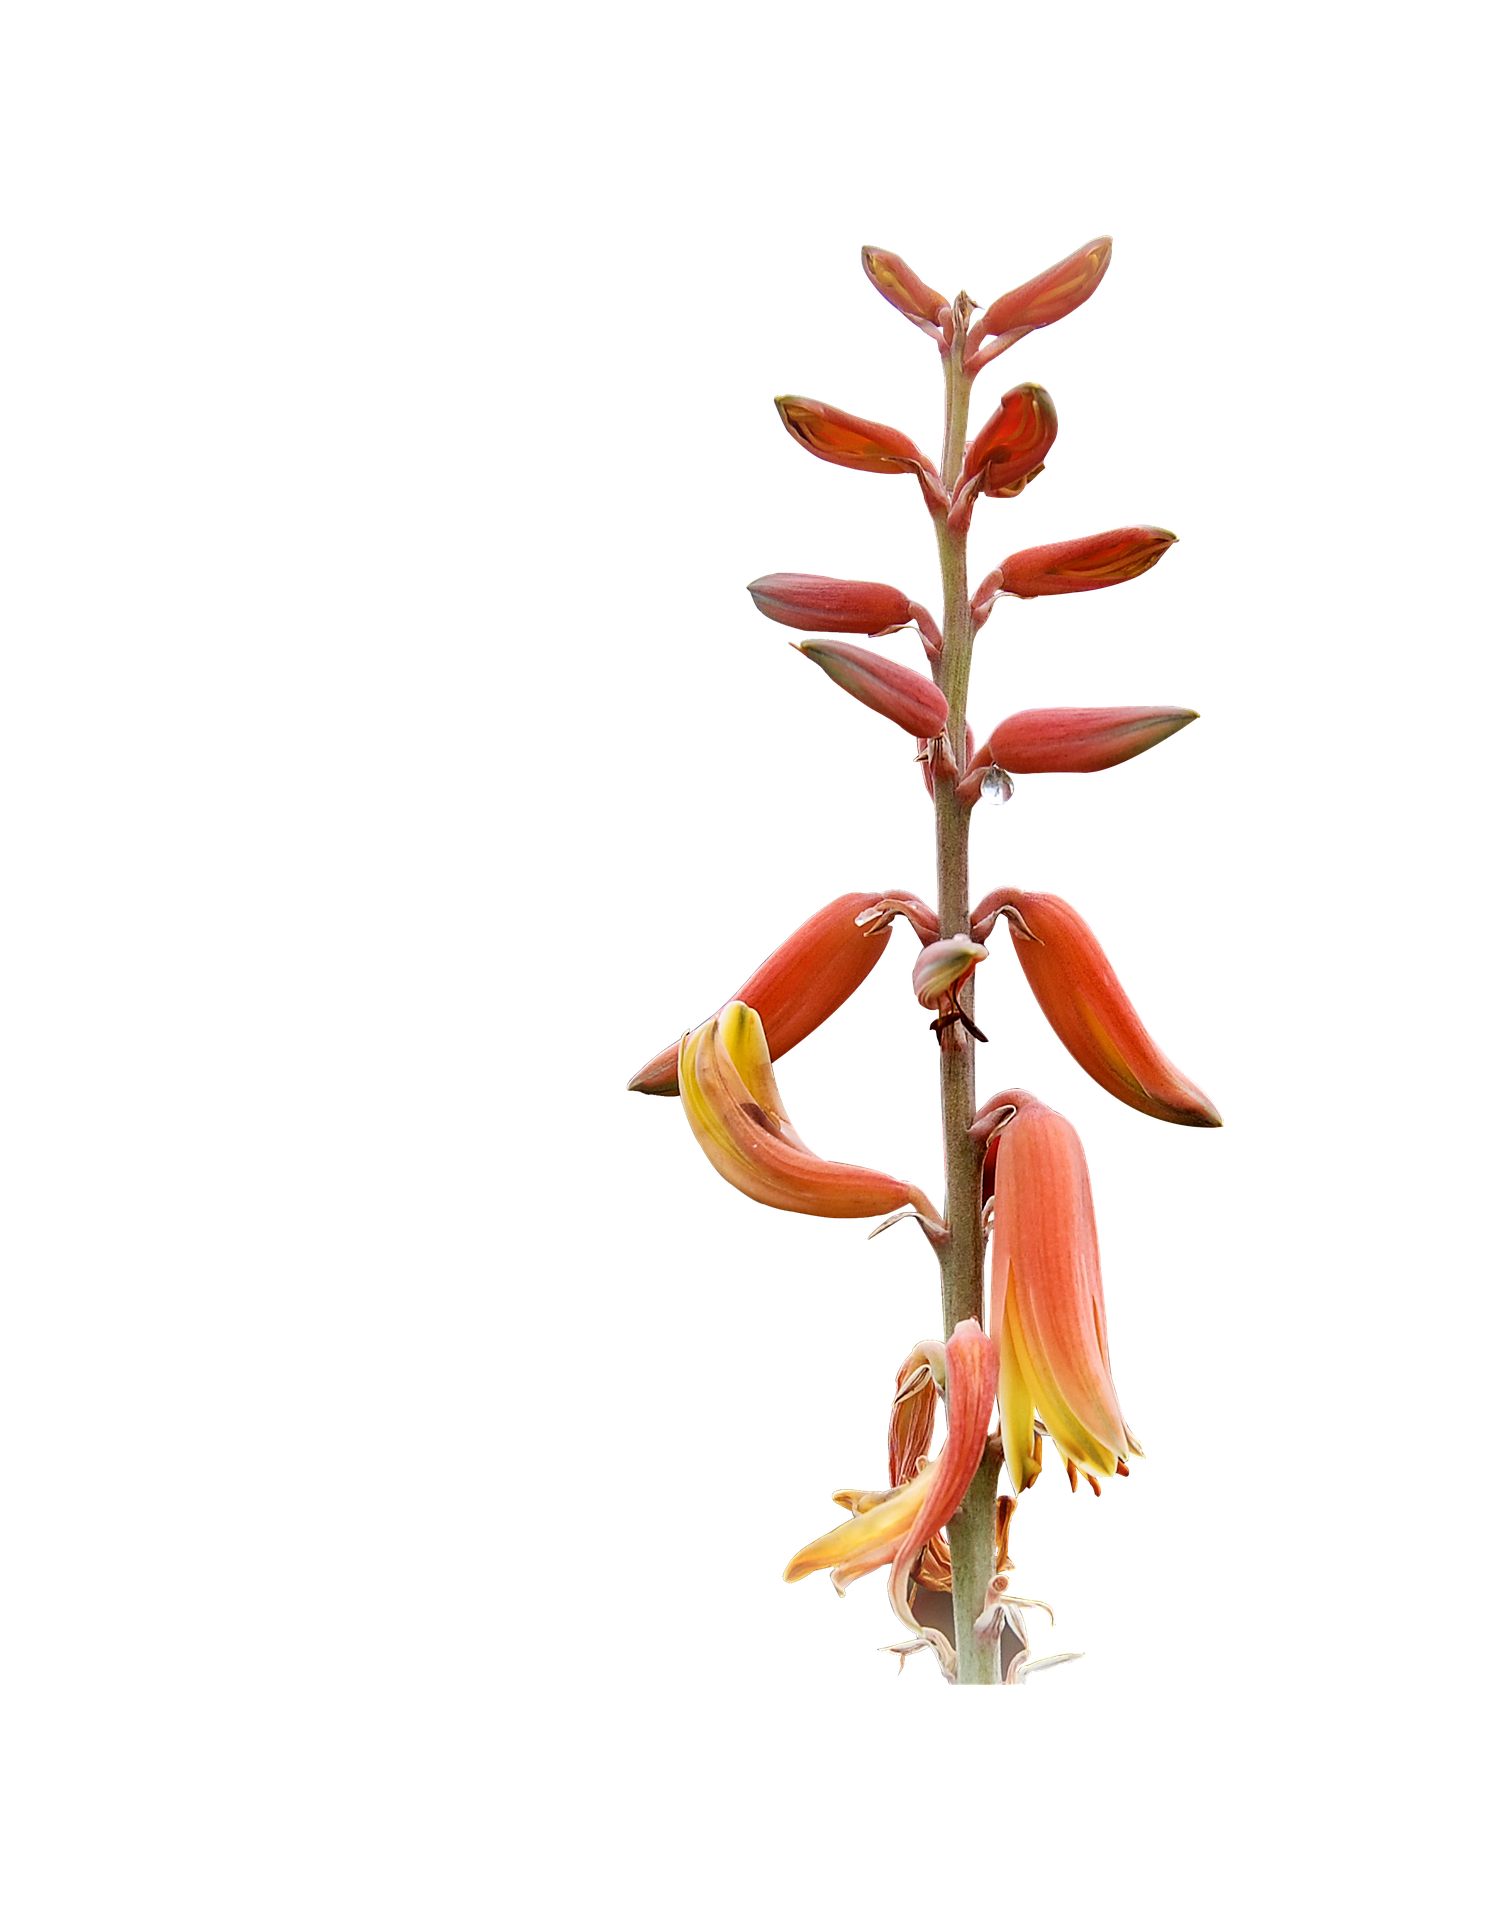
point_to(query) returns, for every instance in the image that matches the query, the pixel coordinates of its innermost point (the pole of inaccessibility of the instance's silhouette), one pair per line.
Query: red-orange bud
(1074, 566)
(1039, 303)
(809, 977)
(914, 299)
(892, 690)
(814, 604)
(1073, 740)
(848, 441)
(1010, 448)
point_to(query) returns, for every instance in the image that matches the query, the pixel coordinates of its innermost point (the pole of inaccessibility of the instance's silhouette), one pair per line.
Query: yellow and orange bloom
(809, 977)
(1086, 1006)
(1072, 740)
(735, 1111)
(894, 1528)
(913, 298)
(1073, 566)
(885, 686)
(1047, 1307)
(1041, 301)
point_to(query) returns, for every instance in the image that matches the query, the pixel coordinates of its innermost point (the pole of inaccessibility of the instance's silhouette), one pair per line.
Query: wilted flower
(941, 971)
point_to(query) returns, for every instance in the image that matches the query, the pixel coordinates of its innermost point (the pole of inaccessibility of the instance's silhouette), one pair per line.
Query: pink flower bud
(1010, 448)
(1074, 566)
(1037, 304)
(895, 281)
(814, 604)
(1072, 740)
(849, 441)
(894, 691)
(1086, 1006)
(809, 977)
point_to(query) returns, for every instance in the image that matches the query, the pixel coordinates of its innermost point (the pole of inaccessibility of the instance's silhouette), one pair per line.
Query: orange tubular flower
(896, 1526)
(1086, 1006)
(885, 686)
(1039, 303)
(1047, 1309)
(810, 976)
(1073, 566)
(730, 1097)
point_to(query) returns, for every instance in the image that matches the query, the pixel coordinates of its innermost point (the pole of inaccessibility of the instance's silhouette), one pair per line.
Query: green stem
(962, 1260)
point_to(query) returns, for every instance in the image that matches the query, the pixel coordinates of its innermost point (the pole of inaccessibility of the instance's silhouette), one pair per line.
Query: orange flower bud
(894, 691)
(849, 441)
(1037, 304)
(814, 604)
(810, 976)
(1086, 1006)
(1010, 448)
(895, 281)
(1072, 740)
(1074, 566)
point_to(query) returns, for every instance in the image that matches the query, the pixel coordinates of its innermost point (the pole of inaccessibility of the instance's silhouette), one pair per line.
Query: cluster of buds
(1028, 1348)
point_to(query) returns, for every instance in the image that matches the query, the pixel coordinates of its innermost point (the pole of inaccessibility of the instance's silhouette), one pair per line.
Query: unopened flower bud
(814, 604)
(1010, 448)
(1074, 566)
(895, 281)
(895, 691)
(848, 441)
(1037, 304)
(1072, 740)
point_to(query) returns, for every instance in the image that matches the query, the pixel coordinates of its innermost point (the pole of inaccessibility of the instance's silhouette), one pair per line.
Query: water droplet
(997, 785)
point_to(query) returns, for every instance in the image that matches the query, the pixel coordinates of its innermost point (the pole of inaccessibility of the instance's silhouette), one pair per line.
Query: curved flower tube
(730, 1097)
(1086, 1006)
(810, 976)
(1047, 1307)
(895, 1527)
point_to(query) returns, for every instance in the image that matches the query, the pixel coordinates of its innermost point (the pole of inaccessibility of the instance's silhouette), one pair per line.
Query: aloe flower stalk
(1031, 1345)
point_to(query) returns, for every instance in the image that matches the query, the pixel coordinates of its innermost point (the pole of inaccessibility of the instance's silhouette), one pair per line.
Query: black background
(739, 792)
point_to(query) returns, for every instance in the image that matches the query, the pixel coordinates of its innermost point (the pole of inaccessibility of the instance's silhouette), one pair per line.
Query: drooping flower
(1041, 301)
(1086, 1006)
(888, 688)
(909, 1433)
(1073, 566)
(1072, 740)
(1047, 1307)
(811, 975)
(730, 1097)
(895, 1527)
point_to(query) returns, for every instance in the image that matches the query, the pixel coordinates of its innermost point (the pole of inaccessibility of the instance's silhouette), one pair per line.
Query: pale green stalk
(962, 1259)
